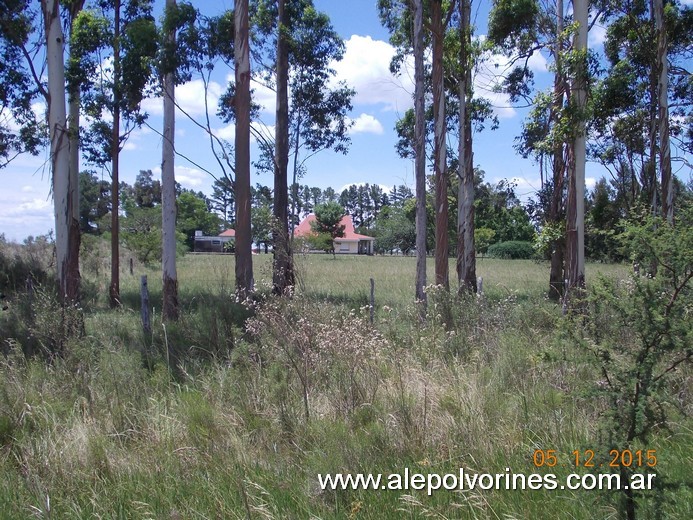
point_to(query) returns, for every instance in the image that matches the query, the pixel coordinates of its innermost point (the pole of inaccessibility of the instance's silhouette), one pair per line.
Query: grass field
(347, 277)
(265, 399)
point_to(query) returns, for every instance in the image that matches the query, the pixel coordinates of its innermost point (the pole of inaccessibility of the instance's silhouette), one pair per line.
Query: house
(218, 244)
(350, 243)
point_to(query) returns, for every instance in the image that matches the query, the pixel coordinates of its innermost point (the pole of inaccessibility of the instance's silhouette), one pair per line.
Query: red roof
(228, 233)
(304, 228)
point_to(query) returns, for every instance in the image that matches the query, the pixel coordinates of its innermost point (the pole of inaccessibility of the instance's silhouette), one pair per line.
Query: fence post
(144, 297)
(480, 286)
(132, 267)
(372, 300)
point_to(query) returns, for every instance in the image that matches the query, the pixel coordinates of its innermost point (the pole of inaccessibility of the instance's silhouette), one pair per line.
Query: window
(216, 242)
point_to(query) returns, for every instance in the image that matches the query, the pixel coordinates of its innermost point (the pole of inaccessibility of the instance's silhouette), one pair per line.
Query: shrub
(31, 262)
(512, 250)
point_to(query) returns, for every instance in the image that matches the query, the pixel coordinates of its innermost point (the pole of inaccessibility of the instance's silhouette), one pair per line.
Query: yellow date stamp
(589, 459)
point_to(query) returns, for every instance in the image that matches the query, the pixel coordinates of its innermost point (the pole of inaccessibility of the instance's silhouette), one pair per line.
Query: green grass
(346, 278)
(266, 399)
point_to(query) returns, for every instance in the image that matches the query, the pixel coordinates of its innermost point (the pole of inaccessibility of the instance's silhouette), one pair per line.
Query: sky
(26, 204)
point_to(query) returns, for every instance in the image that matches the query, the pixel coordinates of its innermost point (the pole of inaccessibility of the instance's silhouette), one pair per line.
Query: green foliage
(193, 215)
(141, 232)
(513, 24)
(551, 234)
(640, 334)
(327, 226)
(94, 202)
(25, 264)
(328, 219)
(147, 190)
(394, 231)
(20, 130)
(483, 238)
(512, 250)
(262, 222)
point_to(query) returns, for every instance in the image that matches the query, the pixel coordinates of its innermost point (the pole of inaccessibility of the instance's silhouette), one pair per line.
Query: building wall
(346, 247)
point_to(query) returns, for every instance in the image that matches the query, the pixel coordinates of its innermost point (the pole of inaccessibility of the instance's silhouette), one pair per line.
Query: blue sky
(26, 206)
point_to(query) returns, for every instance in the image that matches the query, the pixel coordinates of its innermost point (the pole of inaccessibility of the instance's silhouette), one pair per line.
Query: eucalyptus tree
(112, 63)
(244, 259)
(405, 22)
(60, 150)
(466, 250)
(73, 8)
(295, 45)
(32, 68)
(438, 28)
(643, 106)
(575, 207)
(521, 28)
(168, 176)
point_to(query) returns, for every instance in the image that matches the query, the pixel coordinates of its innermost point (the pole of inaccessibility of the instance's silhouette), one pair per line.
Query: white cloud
(190, 177)
(597, 36)
(227, 133)
(366, 68)
(27, 189)
(190, 97)
(265, 97)
(20, 218)
(366, 124)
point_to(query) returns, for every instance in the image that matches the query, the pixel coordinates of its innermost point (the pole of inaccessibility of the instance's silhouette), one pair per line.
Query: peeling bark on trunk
(420, 155)
(59, 143)
(73, 281)
(244, 258)
(439, 148)
(663, 106)
(556, 273)
(466, 254)
(170, 309)
(114, 289)
(576, 189)
(283, 274)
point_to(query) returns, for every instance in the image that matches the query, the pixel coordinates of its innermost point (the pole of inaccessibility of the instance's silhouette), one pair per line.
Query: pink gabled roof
(305, 229)
(228, 233)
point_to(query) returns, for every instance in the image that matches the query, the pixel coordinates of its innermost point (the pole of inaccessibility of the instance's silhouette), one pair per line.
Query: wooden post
(144, 295)
(132, 267)
(372, 300)
(480, 286)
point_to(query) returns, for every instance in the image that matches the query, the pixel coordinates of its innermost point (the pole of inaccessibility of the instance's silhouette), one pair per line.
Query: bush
(31, 262)
(512, 250)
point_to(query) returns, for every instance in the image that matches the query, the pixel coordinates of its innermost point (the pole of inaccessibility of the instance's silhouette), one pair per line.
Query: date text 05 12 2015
(588, 459)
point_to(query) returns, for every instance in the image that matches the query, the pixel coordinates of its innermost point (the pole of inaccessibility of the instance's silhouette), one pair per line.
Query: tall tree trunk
(663, 102)
(557, 246)
(283, 275)
(576, 188)
(59, 138)
(74, 239)
(244, 258)
(420, 154)
(466, 254)
(114, 290)
(170, 309)
(652, 164)
(439, 148)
